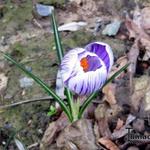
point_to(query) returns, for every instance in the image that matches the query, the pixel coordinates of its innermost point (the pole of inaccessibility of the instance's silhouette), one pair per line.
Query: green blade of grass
(90, 98)
(60, 55)
(57, 38)
(42, 84)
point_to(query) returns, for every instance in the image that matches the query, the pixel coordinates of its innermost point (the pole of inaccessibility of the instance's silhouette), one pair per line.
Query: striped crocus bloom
(84, 70)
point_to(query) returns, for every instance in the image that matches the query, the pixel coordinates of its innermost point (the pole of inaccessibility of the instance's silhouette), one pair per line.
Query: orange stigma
(84, 64)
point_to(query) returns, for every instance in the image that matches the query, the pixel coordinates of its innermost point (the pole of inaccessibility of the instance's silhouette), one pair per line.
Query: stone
(78, 135)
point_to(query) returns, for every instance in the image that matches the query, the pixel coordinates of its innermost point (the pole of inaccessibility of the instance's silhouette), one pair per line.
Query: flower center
(84, 64)
(90, 63)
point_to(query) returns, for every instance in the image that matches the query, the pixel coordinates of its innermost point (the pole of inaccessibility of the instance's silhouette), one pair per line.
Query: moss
(20, 116)
(15, 16)
(38, 53)
(53, 2)
(77, 39)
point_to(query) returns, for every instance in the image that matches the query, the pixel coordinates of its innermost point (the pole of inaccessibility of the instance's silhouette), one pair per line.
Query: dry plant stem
(132, 56)
(26, 102)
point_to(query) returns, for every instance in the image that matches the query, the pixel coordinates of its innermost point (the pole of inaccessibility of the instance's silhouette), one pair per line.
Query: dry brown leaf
(122, 61)
(3, 82)
(79, 134)
(132, 28)
(123, 130)
(53, 130)
(104, 127)
(109, 91)
(108, 143)
(137, 27)
(132, 56)
(146, 18)
(119, 124)
(136, 99)
(140, 86)
(101, 116)
(145, 42)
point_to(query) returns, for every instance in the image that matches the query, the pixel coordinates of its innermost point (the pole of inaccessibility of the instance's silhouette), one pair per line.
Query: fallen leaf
(103, 126)
(103, 114)
(52, 131)
(137, 27)
(122, 61)
(132, 56)
(123, 130)
(145, 12)
(119, 124)
(109, 91)
(140, 87)
(147, 100)
(3, 83)
(79, 135)
(132, 28)
(108, 143)
(145, 42)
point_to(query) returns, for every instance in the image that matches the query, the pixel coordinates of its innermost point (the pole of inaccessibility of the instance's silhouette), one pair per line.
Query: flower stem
(60, 55)
(75, 109)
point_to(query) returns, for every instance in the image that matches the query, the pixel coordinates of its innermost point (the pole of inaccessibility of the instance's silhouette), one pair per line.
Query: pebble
(112, 28)
(26, 82)
(72, 26)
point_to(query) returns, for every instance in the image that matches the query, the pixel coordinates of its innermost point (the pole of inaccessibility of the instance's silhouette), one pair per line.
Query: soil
(29, 39)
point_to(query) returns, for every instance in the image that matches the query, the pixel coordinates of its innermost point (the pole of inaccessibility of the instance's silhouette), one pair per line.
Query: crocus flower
(85, 70)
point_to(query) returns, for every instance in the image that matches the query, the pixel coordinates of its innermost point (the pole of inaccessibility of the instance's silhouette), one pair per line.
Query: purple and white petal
(86, 83)
(104, 52)
(70, 64)
(84, 71)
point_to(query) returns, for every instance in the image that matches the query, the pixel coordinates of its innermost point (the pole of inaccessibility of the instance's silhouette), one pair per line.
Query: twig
(33, 145)
(27, 101)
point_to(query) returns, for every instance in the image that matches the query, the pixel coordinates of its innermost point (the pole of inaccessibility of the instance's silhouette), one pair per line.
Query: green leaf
(19, 144)
(52, 111)
(60, 55)
(11, 137)
(42, 84)
(90, 98)
(116, 74)
(57, 38)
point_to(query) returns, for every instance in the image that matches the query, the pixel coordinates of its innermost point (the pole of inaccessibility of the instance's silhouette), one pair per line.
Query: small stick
(27, 101)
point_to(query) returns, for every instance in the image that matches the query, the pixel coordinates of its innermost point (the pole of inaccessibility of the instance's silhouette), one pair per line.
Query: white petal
(70, 63)
(86, 83)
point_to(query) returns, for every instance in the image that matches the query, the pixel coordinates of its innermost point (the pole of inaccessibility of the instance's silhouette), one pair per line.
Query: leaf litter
(115, 110)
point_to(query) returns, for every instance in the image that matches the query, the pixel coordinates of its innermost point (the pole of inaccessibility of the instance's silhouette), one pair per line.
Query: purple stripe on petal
(73, 74)
(82, 87)
(86, 91)
(79, 86)
(100, 50)
(75, 87)
(93, 62)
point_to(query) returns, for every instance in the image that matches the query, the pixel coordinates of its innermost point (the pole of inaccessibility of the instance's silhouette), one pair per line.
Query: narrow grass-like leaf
(19, 144)
(12, 135)
(42, 84)
(57, 38)
(90, 98)
(116, 74)
(60, 55)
